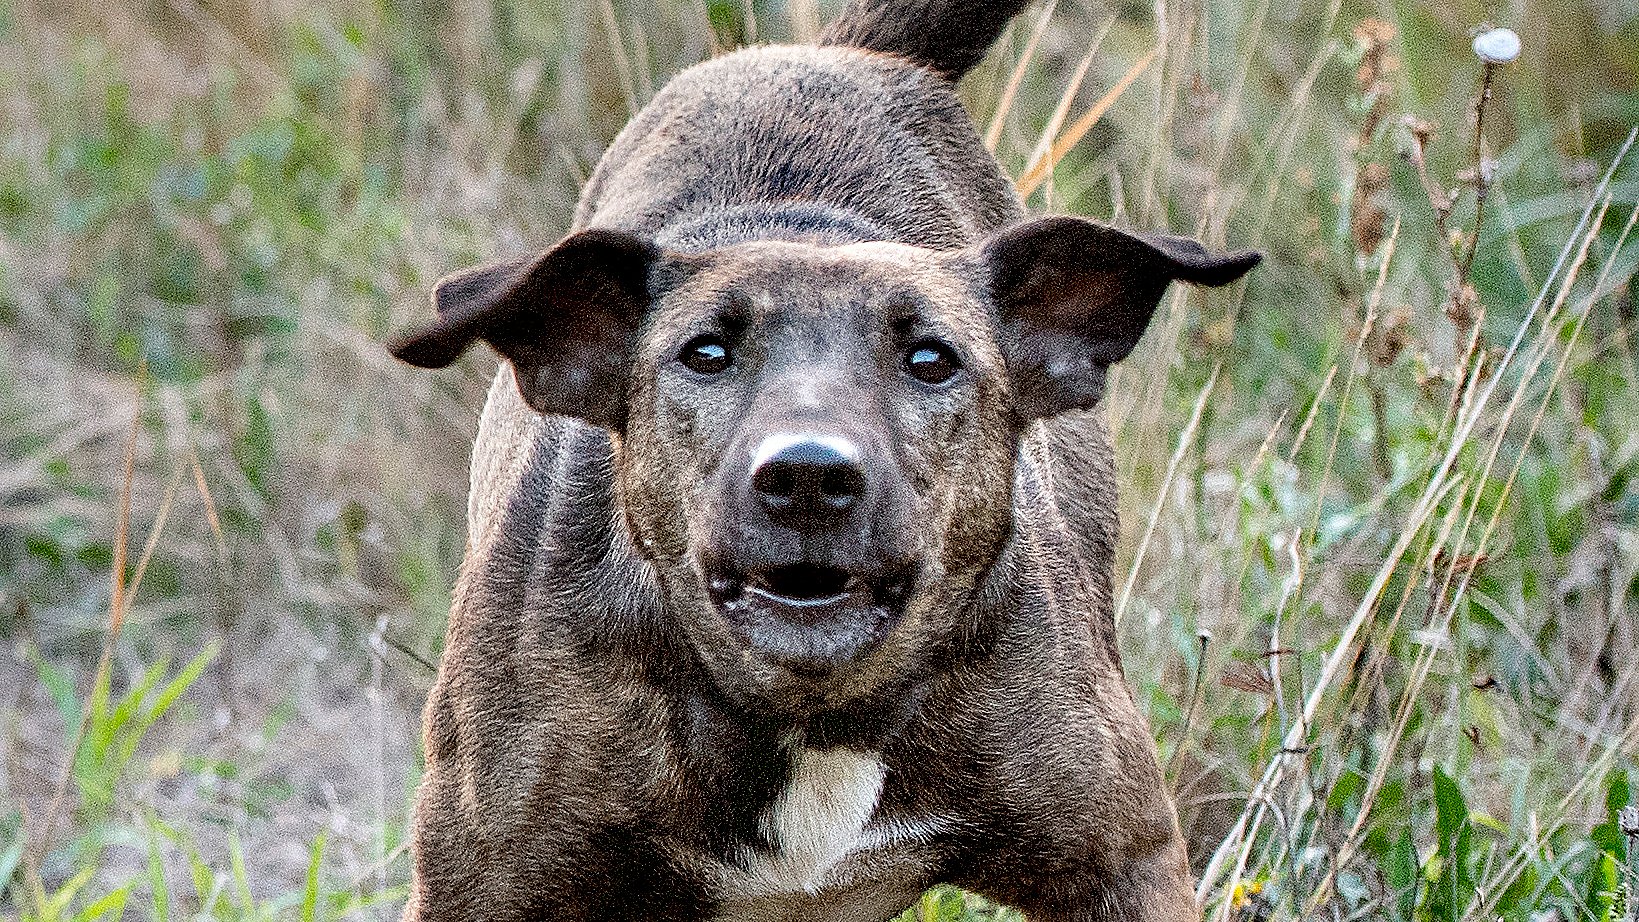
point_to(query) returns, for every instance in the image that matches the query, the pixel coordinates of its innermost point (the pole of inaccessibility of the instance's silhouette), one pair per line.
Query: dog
(788, 585)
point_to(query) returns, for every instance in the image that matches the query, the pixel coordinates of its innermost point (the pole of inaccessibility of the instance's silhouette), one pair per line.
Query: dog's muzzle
(801, 579)
(810, 618)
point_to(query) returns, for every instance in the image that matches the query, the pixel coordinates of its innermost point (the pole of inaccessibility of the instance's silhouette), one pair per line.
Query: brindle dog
(788, 586)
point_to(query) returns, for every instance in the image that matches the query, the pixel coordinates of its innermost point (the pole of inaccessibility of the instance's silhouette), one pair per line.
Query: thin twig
(998, 121)
(41, 847)
(1205, 638)
(1184, 440)
(399, 645)
(1482, 177)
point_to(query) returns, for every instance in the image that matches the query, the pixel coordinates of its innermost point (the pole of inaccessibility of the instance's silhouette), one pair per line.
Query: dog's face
(817, 457)
(815, 443)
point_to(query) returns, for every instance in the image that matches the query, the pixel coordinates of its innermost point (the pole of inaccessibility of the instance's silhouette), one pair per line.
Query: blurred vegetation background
(1380, 565)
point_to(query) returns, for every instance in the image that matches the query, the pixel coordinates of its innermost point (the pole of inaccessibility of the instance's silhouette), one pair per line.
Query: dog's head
(815, 443)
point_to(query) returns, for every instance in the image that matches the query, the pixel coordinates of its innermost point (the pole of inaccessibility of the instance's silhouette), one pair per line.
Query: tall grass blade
(998, 119)
(310, 892)
(1039, 169)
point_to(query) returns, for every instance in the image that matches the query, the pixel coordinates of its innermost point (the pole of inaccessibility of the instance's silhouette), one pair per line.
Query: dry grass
(1381, 562)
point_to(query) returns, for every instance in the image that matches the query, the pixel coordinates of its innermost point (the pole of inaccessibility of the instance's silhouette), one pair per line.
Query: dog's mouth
(807, 584)
(812, 586)
(810, 617)
(804, 583)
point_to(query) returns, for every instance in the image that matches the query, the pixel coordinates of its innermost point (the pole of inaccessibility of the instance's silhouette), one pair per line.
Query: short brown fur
(792, 246)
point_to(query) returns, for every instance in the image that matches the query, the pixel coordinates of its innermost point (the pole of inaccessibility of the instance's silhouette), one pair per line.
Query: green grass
(1380, 559)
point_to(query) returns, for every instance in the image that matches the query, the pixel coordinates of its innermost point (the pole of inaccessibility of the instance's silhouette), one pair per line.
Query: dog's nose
(807, 478)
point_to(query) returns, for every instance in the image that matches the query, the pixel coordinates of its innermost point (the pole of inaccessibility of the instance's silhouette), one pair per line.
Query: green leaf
(180, 683)
(206, 886)
(254, 448)
(1450, 885)
(310, 894)
(1607, 836)
(241, 882)
(57, 901)
(1602, 888)
(112, 905)
(156, 881)
(1400, 871)
(1450, 810)
(162, 702)
(107, 725)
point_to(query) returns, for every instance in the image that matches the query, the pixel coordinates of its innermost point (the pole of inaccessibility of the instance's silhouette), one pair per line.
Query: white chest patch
(819, 819)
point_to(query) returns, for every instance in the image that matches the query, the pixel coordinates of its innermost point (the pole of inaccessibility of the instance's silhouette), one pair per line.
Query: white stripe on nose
(774, 444)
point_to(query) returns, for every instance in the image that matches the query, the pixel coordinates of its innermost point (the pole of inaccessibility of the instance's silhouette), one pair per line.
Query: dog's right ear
(567, 320)
(1074, 296)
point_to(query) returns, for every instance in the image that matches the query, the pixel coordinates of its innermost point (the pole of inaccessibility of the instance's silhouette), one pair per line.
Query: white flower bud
(1497, 46)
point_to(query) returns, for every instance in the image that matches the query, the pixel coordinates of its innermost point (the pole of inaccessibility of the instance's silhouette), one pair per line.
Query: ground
(1380, 508)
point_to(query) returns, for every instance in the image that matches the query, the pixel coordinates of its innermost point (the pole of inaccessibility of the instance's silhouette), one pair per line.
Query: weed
(1393, 476)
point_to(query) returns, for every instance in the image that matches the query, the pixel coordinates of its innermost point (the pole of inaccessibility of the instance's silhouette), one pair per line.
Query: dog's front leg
(1155, 887)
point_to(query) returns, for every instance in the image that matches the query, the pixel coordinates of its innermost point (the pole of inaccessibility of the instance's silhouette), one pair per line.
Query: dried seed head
(1420, 129)
(1481, 175)
(1444, 558)
(1627, 819)
(1372, 37)
(1373, 31)
(1428, 374)
(1249, 679)
(1464, 307)
(1367, 218)
(1390, 337)
(1497, 46)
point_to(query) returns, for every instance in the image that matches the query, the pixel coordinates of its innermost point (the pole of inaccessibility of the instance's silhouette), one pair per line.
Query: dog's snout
(807, 478)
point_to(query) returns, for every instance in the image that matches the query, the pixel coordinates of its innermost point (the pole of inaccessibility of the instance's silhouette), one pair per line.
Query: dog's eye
(707, 354)
(931, 362)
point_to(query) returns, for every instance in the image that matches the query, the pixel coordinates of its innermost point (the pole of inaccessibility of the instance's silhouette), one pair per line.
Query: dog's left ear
(567, 320)
(1074, 296)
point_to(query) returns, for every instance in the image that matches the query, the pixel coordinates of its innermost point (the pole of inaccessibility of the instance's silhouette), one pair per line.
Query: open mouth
(811, 617)
(805, 583)
(813, 585)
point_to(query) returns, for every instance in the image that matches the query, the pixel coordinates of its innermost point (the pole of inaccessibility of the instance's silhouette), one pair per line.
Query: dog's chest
(831, 852)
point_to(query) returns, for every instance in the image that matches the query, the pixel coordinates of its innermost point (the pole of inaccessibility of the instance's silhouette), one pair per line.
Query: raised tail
(950, 36)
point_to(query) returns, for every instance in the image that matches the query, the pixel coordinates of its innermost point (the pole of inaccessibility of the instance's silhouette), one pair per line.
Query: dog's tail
(950, 36)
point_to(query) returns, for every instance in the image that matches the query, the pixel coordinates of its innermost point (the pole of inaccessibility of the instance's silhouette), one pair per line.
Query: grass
(1380, 568)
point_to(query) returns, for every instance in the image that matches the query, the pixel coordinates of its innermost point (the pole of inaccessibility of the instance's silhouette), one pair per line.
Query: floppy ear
(1074, 296)
(567, 320)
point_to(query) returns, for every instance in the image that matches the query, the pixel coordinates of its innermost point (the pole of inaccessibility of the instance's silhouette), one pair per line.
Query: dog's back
(861, 136)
